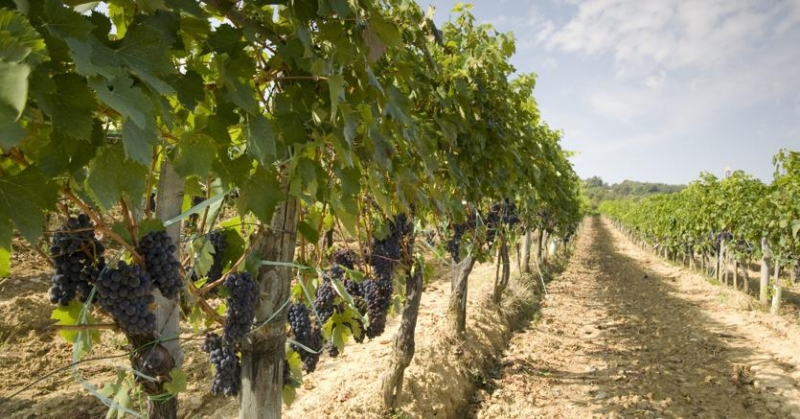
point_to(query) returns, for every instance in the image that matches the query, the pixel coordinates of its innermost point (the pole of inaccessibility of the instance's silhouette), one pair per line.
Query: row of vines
(274, 168)
(724, 225)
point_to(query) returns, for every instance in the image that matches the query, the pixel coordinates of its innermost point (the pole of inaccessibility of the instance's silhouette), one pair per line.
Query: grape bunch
(220, 243)
(323, 300)
(454, 244)
(723, 236)
(305, 334)
(241, 302)
(385, 253)
(125, 293)
(77, 255)
(345, 257)
(227, 378)
(378, 296)
(159, 257)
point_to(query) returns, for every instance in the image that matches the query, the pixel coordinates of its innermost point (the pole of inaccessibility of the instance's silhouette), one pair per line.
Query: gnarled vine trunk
(404, 340)
(527, 242)
(167, 311)
(501, 283)
(457, 306)
(765, 265)
(263, 352)
(776, 291)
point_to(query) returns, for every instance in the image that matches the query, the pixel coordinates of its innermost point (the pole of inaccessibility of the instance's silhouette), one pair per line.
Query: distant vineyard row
(727, 223)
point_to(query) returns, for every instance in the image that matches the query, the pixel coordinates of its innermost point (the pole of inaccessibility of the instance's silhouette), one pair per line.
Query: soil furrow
(623, 334)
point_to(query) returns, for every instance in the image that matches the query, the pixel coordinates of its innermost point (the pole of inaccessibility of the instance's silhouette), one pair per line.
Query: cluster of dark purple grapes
(722, 236)
(220, 243)
(241, 301)
(227, 378)
(324, 299)
(501, 214)
(306, 334)
(454, 244)
(159, 257)
(345, 257)
(77, 255)
(386, 253)
(378, 297)
(125, 292)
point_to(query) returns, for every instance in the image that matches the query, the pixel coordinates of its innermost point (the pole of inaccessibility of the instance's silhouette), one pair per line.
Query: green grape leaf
(14, 85)
(203, 255)
(195, 154)
(237, 75)
(11, 132)
(177, 382)
(260, 139)
(64, 22)
(308, 231)
(112, 177)
(5, 247)
(190, 89)
(5, 261)
(70, 316)
(19, 41)
(260, 194)
(143, 52)
(23, 199)
(125, 98)
(71, 106)
(387, 31)
(139, 142)
(235, 248)
(336, 86)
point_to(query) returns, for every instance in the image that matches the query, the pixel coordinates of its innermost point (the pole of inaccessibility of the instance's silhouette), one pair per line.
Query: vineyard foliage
(739, 210)
(348, 113)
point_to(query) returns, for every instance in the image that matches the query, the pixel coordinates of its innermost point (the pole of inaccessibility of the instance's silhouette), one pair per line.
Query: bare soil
(623, 334)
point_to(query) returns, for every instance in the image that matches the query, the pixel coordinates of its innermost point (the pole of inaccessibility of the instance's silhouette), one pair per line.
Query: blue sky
(659, 90)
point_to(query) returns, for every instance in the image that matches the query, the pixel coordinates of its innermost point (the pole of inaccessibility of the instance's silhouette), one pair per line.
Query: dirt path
(626, 335)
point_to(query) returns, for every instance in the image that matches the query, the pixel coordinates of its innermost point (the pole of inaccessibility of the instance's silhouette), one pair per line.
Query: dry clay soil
(620, 334)
(623, 334)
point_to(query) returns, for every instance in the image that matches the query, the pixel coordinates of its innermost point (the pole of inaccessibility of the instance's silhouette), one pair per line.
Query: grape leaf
(308, 231)
(19, 41)
(203, 255)
(143, 52)
(24, 197)
(11, 132)
(70, 107)
(14, 85)
(260, 194)
(177, 382)
(260, 139)
(112, 177)
(190, 89)
(336, 86)
(5, 247)
(139, 142)
(125, 98)
(5, 261)
(195, 154)
(70, 316)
